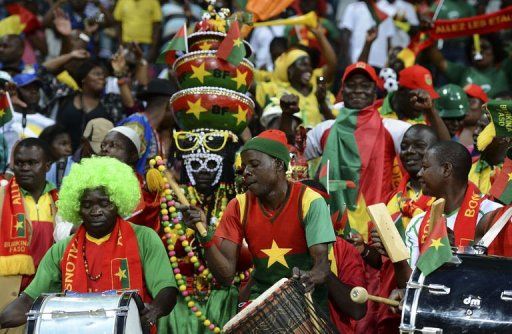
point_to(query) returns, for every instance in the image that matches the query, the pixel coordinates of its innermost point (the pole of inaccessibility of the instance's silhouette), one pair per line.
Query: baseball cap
(361, 66)
(25, 79)
(95, 131)
(417, 77)
(476, 91)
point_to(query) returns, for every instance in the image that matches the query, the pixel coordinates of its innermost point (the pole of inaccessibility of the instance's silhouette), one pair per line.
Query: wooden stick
(360, 295)
(436, 212)
(312, 314)
(183, 200)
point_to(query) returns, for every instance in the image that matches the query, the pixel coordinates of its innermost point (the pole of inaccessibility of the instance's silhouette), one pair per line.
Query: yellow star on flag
(195, 108)
(2, 112)
(19, 225)
(436, 243)
(510, 176)
(237, 42)
(199, 73)
(240, 78)
(276, 254)
(205, 46)
(241, 115)
(121, 273)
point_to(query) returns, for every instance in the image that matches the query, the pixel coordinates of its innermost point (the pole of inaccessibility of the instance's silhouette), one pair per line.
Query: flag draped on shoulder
(436, 250)
(5, 108)
(177, 43)
(232, 48)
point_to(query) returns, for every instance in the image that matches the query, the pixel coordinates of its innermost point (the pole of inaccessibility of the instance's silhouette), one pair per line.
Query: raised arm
(328, 53)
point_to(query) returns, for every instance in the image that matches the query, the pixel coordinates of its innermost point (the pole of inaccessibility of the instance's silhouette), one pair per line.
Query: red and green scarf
(121, 254)
(15, 258)
(465, 223)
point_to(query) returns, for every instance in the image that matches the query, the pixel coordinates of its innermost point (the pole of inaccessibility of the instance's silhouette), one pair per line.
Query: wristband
(207, 239)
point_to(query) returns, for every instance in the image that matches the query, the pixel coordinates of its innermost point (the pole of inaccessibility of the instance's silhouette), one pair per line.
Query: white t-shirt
(358, 20)
(260, 41)
(411, 233)
(404, 9)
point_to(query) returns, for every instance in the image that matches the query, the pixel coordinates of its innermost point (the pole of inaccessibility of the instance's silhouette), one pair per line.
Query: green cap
(452, 102)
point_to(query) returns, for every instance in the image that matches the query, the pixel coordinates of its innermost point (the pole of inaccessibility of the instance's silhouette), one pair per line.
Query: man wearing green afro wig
(106, 252)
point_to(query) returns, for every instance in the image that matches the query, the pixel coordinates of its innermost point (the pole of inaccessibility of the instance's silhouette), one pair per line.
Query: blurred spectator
(58, 140)
(261, 39)
(402, 11)
(11, 52)
(176, 13)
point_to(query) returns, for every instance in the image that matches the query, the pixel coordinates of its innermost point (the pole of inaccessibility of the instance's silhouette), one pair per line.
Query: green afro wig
(117, 178)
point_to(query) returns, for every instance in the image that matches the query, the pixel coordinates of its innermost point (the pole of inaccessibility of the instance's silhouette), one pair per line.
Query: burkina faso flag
(436, 249)
(120, 273)
(232, 48)
(5, 109)
(177, 43)
(501, 189)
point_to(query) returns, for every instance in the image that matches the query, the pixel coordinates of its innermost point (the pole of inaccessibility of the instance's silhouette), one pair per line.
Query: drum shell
(474, 303)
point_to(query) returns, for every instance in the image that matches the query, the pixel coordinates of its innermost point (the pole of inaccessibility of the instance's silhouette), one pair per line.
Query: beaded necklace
(86, 265)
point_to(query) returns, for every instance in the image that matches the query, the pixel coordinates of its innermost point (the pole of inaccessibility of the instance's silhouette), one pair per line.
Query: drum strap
(493, 232)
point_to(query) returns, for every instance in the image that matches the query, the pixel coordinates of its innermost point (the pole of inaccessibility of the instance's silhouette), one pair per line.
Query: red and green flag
(120, 274)
(501, 189)
(377, 14)
(436, 249)
(177, 43)
(232, 48)
(27, 18)
(5, 108)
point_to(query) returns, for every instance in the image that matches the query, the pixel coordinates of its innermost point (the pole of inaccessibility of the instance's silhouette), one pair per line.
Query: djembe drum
(86, 313)
(282, 309)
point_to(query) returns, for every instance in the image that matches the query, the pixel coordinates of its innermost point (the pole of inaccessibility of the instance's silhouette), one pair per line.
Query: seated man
(98, 192)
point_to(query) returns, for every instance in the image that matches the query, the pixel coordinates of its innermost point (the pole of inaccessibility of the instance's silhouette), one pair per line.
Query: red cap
(417, 77)
(276, 135)
(361, 66)
(476, 91)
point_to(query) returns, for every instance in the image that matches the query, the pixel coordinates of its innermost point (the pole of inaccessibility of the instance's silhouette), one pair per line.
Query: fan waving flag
(177, 43)
(436, 250)
(232, 48)
(5, 108)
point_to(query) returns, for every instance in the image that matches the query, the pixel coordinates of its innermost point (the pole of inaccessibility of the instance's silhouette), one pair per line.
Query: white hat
(130, 134)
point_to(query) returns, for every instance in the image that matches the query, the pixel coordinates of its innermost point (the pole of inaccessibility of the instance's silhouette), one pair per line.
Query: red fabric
(350, 267)
(473, 90)
(465, 223)
(275, 135)
(417, 77)
(388, 322)
(502, 245)
(369, 323)
(122, 245)
(147, 212)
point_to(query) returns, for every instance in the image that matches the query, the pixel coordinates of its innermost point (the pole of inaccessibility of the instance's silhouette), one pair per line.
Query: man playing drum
(106, 252)
(286, 225)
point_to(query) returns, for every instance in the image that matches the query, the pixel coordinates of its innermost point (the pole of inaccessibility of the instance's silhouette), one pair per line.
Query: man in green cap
(289, 227)
(452, 105)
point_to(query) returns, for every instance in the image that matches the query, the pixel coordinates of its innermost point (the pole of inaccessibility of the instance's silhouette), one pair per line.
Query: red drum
(203, 68)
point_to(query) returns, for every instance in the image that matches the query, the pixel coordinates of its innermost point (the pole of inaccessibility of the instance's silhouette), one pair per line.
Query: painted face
(98, 213)
(61, 146)
(413, 147)
(260, 172)
(30, 167)
(116, 145)
(204, 170)
(358, 91)
(430, 175)
(300, 71)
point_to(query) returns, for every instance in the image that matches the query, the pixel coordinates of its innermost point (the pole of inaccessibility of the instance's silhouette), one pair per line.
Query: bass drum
(473, 296)
(88, 313)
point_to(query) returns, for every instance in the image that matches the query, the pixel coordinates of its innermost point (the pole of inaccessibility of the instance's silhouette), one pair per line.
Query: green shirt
(155, 264)
(492, 80)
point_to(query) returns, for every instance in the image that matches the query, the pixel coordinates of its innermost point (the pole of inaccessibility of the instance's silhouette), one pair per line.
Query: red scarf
(408, 206)
(465, 223)
(15, 258)
(121, 255)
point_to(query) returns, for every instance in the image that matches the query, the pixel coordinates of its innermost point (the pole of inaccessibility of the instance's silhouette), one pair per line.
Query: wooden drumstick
(183, 200)
(360, 295)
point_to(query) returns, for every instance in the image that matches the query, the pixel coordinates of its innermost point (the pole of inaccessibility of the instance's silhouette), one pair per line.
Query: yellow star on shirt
(195, 108)
(121, 273)
(19, 225)
(205, 46)
(240, 78)
(199, 73)
(276, 254)
(241, 115)
(436, 243)
(510, 176)
(237, 42)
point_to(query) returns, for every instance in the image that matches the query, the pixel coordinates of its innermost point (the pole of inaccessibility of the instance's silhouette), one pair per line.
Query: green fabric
(271, 147)
(438, 251)
(177, 43)
(386, 108)
(220, 307)
(492, 80)
(155, 263)
(481, 165)
(501, 113)
(47, 188)
(317, 224)
(344, 160)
